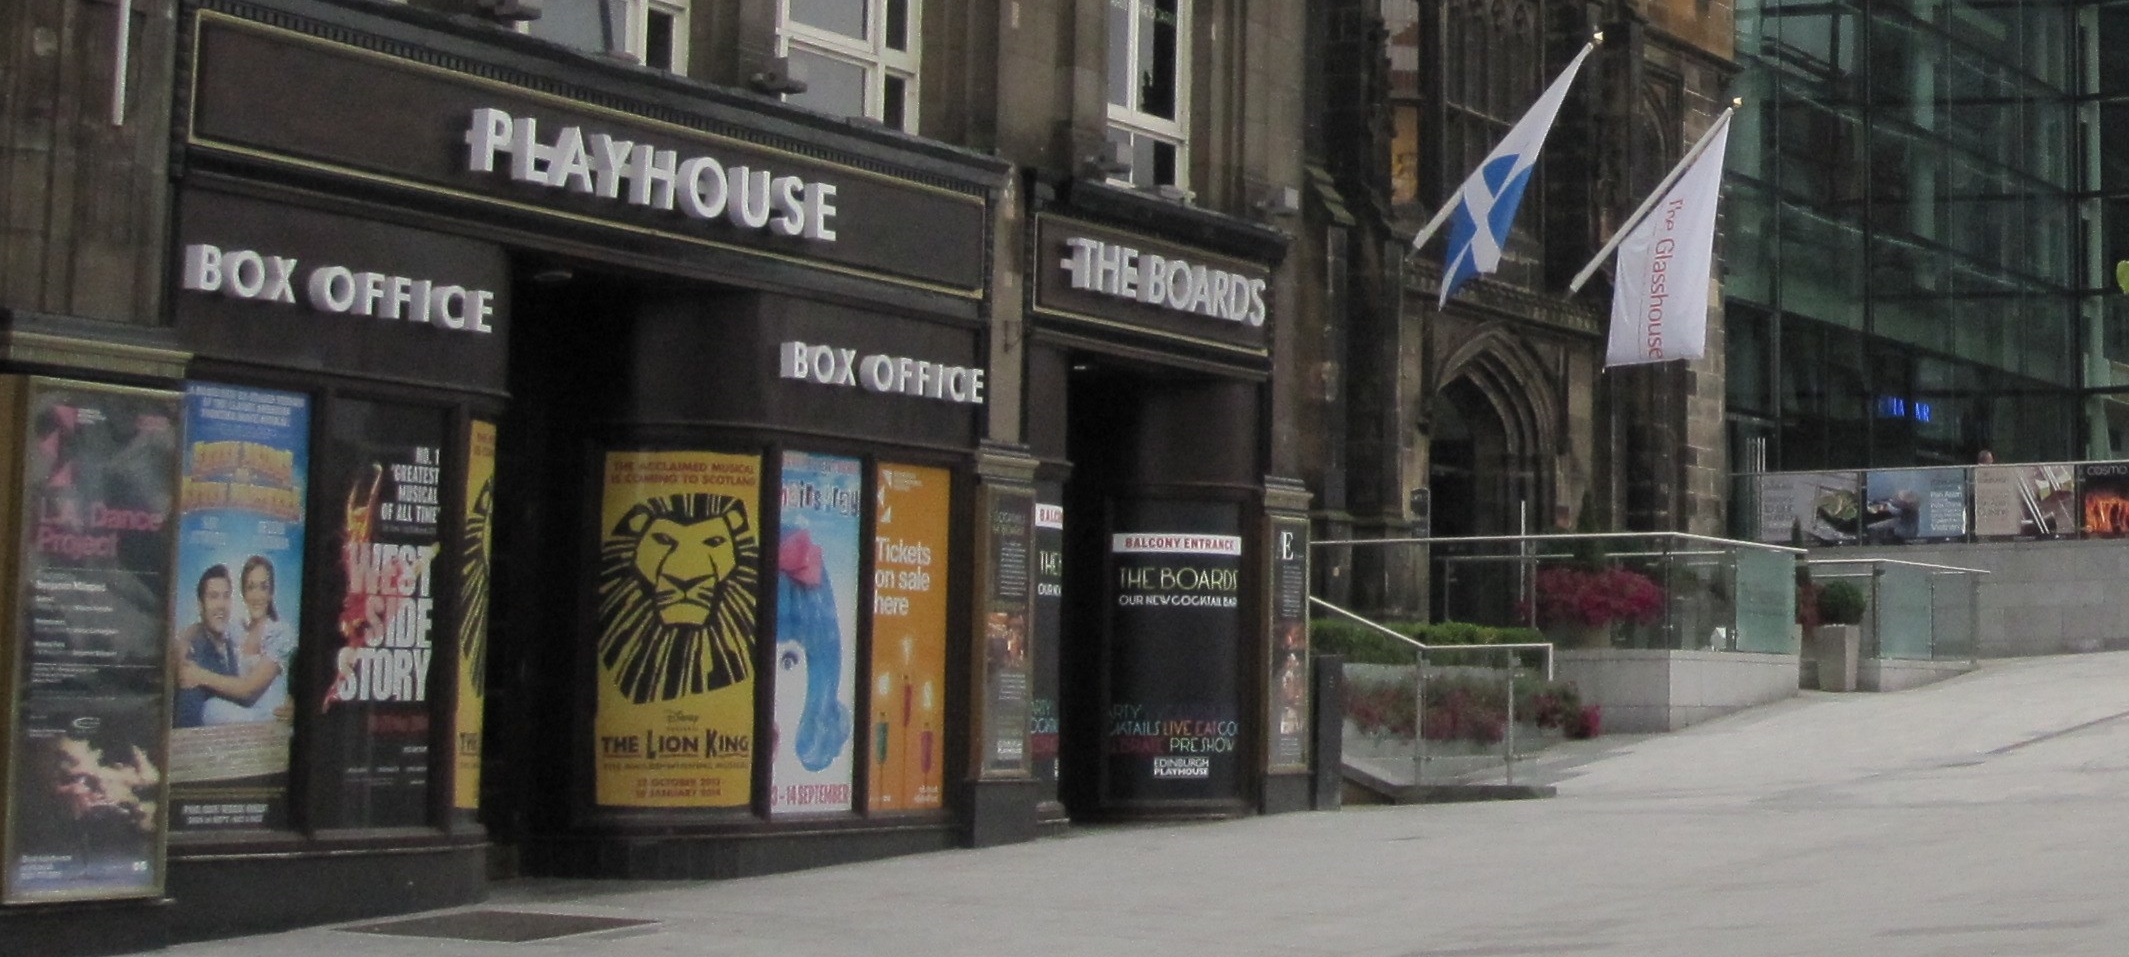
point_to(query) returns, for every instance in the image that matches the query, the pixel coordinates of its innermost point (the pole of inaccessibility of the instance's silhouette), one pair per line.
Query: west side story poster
(678, 568)
(85, 814)
(816, 632)
(385, 473)
(236, 618)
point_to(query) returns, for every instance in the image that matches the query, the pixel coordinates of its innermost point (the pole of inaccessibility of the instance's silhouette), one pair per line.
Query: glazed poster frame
(1047, 634)
(1825, 507)
(246, 482)
(912, 552)
(1920, 505)
(2103, 499)
(1286, 719)
(814, 671)
(476, 550)
(665, 735)
(374, 755)
(1176, 607)
(2025, 502)
(1005, 680)
(86, 673)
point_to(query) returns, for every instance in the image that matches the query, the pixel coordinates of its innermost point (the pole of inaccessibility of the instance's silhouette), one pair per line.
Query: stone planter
(1836, 648)
(1650, 690)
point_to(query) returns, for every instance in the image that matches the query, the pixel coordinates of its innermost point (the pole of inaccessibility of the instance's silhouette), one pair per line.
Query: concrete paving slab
(1973, 816)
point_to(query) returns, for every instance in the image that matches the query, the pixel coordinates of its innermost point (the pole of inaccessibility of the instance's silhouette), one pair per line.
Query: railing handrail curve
(1562, 537)
(1422, 647)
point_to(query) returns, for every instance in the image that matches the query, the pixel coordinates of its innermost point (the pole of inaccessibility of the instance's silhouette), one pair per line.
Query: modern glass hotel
(1926, 202)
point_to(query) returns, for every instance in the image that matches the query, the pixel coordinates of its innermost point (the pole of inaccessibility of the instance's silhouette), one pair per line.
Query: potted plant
(1838, 639)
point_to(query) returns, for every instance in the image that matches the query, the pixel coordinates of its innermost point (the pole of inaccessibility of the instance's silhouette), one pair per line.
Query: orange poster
(476, 545)
(909, 562)
(676, 593)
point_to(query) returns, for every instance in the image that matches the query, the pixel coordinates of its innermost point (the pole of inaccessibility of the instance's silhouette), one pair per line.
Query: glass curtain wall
(1910, 276)
(2103, 121)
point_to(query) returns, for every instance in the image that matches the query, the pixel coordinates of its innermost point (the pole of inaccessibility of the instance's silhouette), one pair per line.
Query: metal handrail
(1423, 647)
(1562, 537)
(1898, 561)
(1926, 468)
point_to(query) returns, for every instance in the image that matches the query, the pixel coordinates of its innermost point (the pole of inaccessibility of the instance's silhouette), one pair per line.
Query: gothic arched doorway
(1486, 464)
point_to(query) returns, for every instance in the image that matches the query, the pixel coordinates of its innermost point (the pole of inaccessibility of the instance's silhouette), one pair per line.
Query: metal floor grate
(497, 926)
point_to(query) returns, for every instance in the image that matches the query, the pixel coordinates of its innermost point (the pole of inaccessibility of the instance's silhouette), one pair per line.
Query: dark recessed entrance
(1155, 646)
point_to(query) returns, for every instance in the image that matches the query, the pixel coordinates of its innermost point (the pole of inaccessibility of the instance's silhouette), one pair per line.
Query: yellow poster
(475, 546)
(677, 577)
(909, 605)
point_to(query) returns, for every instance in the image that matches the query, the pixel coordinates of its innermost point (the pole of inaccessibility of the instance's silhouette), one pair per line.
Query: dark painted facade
(639, 476)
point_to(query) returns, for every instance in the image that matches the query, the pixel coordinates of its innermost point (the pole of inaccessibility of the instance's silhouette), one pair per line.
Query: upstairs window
(1148, 98)
(650, 32)
(856, 57)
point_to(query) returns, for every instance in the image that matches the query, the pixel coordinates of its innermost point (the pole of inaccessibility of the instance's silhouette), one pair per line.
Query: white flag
(1484, 208)
(1660, 286)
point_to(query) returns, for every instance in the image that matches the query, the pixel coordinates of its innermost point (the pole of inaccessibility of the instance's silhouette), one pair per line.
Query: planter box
(1643, 691)
(1836, 649)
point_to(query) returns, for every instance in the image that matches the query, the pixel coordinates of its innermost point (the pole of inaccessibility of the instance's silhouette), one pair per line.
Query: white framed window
(856, 57)
(1149, 96)
(650, 32)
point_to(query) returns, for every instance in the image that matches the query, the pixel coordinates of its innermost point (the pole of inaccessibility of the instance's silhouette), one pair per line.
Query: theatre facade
(529, 464)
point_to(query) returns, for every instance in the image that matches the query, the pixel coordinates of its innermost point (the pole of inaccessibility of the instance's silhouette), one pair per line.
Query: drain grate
(497, 926)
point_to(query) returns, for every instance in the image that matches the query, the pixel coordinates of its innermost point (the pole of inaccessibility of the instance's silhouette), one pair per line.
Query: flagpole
(1655, 195)
(1434, 225)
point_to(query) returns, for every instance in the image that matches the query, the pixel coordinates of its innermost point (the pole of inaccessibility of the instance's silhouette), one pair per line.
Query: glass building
(1926, 201)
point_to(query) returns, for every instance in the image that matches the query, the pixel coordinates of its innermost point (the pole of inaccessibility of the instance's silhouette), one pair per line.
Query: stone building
(1493, 415)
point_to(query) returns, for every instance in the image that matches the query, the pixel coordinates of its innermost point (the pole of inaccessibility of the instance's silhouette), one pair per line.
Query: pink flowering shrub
(1577, 596)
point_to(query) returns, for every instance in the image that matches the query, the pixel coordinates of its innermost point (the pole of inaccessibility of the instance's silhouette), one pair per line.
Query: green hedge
(1363, 645)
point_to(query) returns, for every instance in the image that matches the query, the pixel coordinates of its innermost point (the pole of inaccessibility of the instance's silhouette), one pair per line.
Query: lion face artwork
(676, 597)
(684, 563)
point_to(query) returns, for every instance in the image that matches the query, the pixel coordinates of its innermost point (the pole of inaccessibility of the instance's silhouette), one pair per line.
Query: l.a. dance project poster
(816, 632)
(385, 471)
(236, 620)
(85, 807)
(678, 566)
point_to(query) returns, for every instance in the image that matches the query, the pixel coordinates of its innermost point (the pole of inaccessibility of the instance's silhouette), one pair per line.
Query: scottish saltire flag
(1660, 285)
(1485, 205)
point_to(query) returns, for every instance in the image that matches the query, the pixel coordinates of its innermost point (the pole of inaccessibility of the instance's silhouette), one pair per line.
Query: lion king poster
(676, 595)
(475, 547)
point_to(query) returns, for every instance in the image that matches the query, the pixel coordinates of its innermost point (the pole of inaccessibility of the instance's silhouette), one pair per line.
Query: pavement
(1984, 815)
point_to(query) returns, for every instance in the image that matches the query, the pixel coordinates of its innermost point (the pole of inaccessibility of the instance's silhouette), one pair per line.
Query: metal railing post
(1419, 718)
(1508, 736)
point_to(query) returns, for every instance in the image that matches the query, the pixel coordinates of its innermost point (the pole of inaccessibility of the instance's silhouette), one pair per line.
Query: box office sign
(1121, 280)
(261, 91)
(268, 282)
